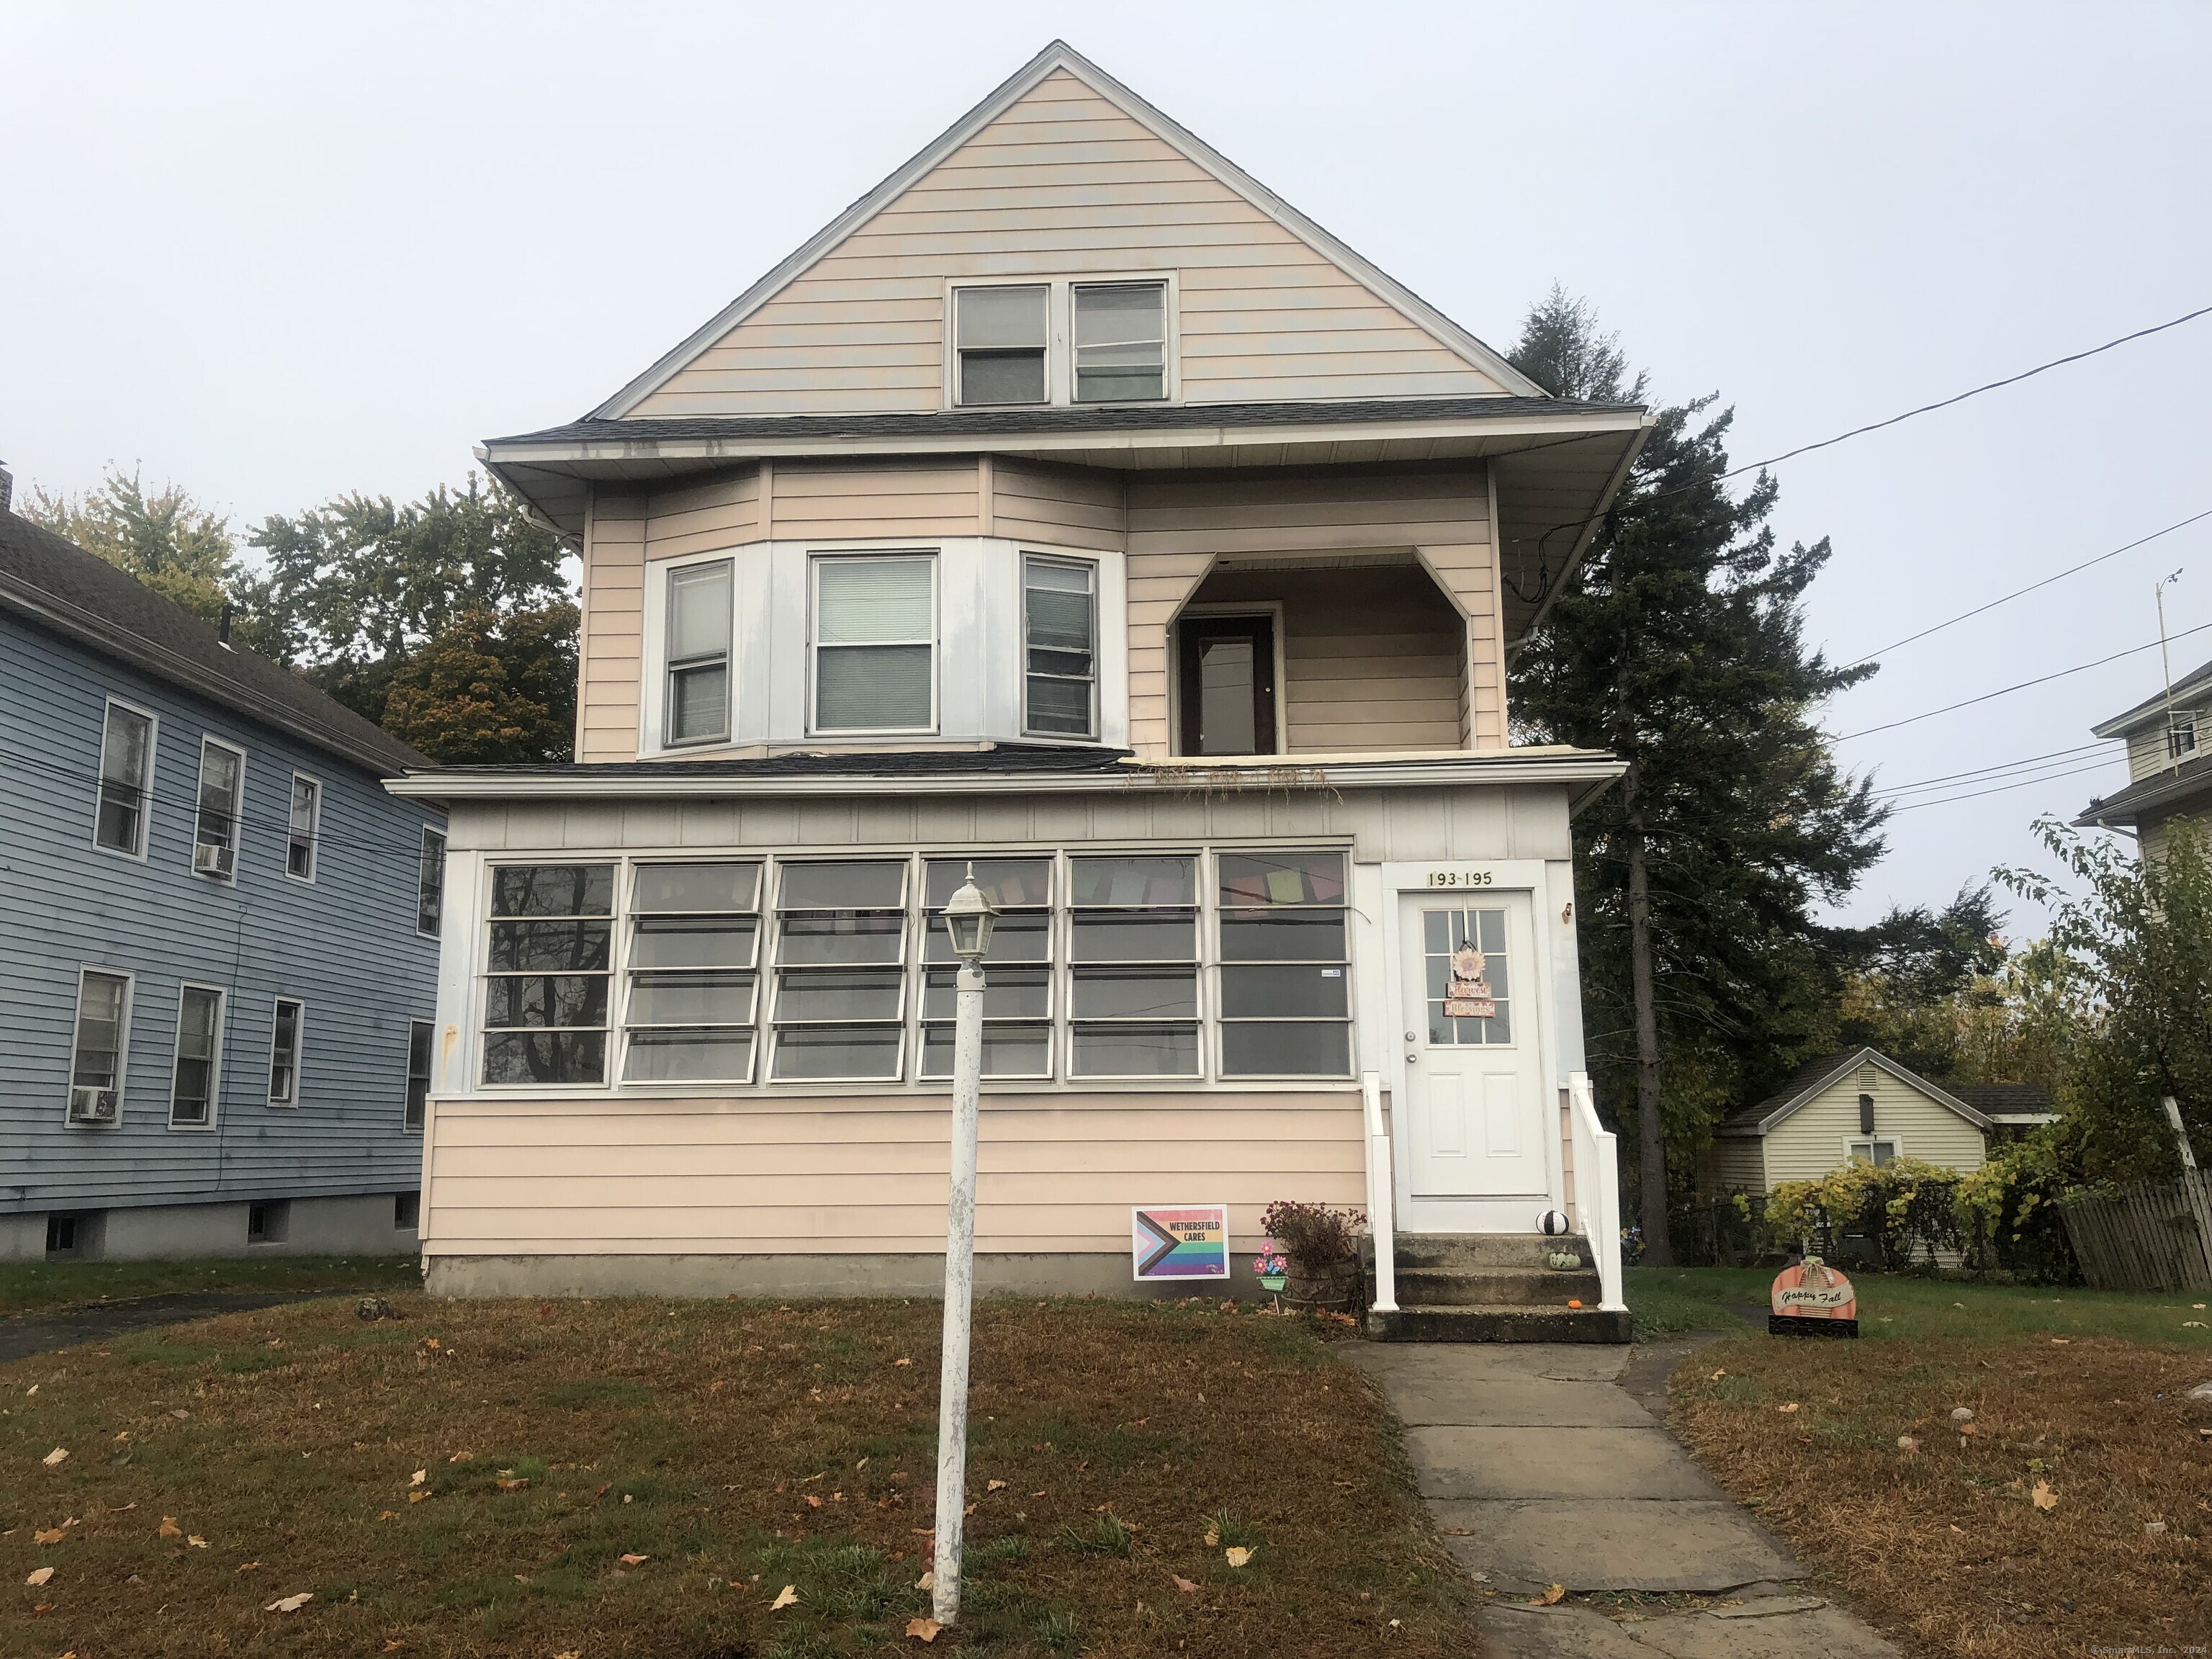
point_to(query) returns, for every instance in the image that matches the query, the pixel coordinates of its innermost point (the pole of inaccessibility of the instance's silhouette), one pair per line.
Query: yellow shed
(1857, 1103)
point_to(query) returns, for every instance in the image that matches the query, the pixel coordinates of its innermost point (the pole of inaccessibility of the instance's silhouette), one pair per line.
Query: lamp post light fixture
(968, 919)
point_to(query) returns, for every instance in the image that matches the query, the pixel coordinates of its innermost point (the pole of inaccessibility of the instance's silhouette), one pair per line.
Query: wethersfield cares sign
(1179, 1241)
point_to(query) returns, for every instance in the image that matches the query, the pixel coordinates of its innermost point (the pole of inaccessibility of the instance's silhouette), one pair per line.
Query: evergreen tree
(1679, 647)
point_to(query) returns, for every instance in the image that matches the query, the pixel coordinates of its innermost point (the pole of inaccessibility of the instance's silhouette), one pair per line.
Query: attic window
(999, 337)
(1120, 342)
(2181, 736)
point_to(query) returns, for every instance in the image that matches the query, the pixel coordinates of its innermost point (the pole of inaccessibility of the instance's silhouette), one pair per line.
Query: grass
(52, 1286)
(1943, 1541)
(738, 1448)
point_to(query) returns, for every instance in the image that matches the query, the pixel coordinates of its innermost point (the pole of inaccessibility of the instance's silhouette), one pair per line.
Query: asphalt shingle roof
(2004, 1099)
(1012, 760)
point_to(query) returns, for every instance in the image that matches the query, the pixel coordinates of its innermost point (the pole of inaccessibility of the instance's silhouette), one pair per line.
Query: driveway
(25, 1335)
(1552, 1464)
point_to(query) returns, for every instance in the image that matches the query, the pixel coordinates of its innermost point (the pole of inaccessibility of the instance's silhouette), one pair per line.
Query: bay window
(550, 965)
(694, 932)
(700, 618)
(999, 342)
(1120, 342)
(874, 643)
(1286, 1003)
(1059, 623)
(840, 971)
(1018, 978)
(1133, 974)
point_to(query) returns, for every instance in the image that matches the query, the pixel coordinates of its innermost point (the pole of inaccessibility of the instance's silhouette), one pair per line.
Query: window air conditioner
(92, 1105)
(211, 860)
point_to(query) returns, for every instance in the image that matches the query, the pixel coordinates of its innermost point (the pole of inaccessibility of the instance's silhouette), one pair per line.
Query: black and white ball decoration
(1552, 1224)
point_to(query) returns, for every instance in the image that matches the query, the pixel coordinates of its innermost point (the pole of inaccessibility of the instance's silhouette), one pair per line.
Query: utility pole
(2165, 667)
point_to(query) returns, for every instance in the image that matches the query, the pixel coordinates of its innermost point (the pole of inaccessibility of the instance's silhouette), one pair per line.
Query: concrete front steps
(1495, 1287)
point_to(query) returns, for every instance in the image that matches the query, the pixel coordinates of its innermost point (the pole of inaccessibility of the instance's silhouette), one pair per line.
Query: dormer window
(1000, 336)
(2181, 736)
(1120, 342)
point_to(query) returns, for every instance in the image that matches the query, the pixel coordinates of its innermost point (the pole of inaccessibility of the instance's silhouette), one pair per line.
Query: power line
(2045, 679)
(2016, 592)
(2010, 780)
(1945, 801)
(2022, 764)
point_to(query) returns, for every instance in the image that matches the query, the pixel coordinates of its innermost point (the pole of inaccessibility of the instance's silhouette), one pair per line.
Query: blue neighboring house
(218, 937)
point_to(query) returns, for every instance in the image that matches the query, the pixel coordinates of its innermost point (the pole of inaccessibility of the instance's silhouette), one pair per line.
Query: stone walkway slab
(1506, 1463)
(1701, 1546)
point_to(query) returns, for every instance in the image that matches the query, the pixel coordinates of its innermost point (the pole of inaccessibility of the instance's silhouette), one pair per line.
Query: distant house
(1860, 1103)
(220, 958)
(2169, 739)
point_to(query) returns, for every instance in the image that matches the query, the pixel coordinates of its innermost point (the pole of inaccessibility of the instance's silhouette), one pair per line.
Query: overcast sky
(279, 252)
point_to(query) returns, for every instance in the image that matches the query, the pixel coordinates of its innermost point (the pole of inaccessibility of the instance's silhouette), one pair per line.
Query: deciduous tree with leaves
(169, 542)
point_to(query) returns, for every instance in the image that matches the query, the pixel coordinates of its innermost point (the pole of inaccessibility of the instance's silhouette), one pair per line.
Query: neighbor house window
(693, 985)
(551, 969)
(1285, 1006)
(2181, 736)
(999, 340)
(1134, 979)
(306, 815)
(1877, 1152)
(1060, 620)
(284, 1053)
(1120, 342)
(840, 971)
(874, 642)
(103, 1019)
(126, 769)
(430, 883)
(1017, 987)
(419, 1035)
(215, 828)
(196, 1081)
(1443, 933)
(699, 615)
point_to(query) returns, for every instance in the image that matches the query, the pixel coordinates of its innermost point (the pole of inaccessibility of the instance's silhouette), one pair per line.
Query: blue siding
(345, 946)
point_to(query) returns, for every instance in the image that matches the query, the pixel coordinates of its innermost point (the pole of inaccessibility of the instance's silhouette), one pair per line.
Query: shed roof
(2008, 1103)
(1823, 1072)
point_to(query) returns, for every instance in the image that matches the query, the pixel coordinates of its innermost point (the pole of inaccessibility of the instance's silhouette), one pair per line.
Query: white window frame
(298, 1048)
(214, 1062)
(122, 1043)
(1023, 562)
(769, 1013)
(670, 665)
(1059, 336)
(626, 972)
(146, 791)
(815, 561)
(1075, 349)
(1217, 909)
(429, 832)
(2181, 736)
(314, 825)
(237, 817)
(1852, 1146)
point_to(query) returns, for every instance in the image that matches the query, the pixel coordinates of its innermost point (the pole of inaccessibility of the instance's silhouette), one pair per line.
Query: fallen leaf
(180, 1414)
(49, 1535)
(901, 1362)
(1551, 1597)
(1212, 1532)
(2043, 1497)
(40, 1576)
(812, 1502)
(58, 1455)
(388, 1514)
(788, 1597)
(1907, 1444)
(1238, 1555)
(197, 1542)
(419, 1477)
(513, 1483)
(994, 1485)
(395, 1644)
(927, 1581)
(2192, 1325)
(170, 1529)
(1961, 1531)
(636, 1560)
(416, 1497)
(1184, 1584)
(922, 1630)
(1786, 1410)
(2061, 1342)
(248, 1566)
(462, 1457)
(290, 1603)
(1716, 1376)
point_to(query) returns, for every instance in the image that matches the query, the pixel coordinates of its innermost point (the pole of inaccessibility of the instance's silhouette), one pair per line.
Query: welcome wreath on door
(1468, 995)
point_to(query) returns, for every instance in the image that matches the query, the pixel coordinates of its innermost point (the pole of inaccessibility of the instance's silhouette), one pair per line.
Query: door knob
(1411, 1059)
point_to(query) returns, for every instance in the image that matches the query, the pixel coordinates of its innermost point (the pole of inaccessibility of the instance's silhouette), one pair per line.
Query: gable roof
(1816, 1076)
(1061, 57)
(2196, 681)
(59, 586)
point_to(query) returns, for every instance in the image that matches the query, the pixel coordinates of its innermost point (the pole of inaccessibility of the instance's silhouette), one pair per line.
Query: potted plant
(1273, 1266)
(1323, 1245)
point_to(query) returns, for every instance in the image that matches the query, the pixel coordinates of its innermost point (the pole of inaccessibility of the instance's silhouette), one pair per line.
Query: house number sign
(1463, 878)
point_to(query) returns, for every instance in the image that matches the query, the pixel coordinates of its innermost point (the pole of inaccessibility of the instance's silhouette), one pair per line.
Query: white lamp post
(968, 919)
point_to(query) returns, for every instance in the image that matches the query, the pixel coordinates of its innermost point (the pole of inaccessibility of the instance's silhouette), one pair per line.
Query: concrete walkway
(1541, 1466)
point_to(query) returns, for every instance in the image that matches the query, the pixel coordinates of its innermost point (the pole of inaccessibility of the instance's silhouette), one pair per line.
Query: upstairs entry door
(1472, 1102)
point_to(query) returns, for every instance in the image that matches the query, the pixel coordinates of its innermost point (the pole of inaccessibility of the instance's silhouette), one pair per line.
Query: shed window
(430, 883)
(419, 1033)
(1120, 342)
(874, 641)
(303, 829)
(214, 829)
(1000, 342)
(699, 621)
(1876, 1152)
(1018, 982)
(1286, 1006)
(284, 1053)
(1060, 619)
(840, 971)
(692, 978)
(126, 766)
(1133, 974)
(551, 962)
(103, 1011)
(195, 1084)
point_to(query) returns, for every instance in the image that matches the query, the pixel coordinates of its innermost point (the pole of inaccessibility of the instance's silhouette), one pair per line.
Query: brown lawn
(737, 1448)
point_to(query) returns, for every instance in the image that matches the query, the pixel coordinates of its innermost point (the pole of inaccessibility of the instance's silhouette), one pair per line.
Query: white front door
(1471, 1109)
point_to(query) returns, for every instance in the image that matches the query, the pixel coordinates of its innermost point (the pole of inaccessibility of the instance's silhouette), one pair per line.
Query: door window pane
(1443, 933)
(699, 623)
(1000, 342)
(126, 764)
(693, 990)
(96, 1054)
(551, 957)
(199, 1043)
(874, 644)
(1120, 342)
(1060, 620)
(1286, 977)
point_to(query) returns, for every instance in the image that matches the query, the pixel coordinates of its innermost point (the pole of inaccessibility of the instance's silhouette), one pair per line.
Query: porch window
(196, 1079)
(284, 1052)
(1120, 342)
(1134, 977)
(694, 936)
(1877, 1152)
(215, 831)
(875, 640)
(126, 769)
(103, 1024)
(1442, 932)
(998, 337)
(1227, 684)
(304, 828)
(1060, 618)
(420, 1033)
(551, 967)
(841, 972)
(699, 623)
(1285, 1007)
(1018, 982)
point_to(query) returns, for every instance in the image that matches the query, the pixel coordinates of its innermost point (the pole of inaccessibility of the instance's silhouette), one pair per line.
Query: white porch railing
(1597, 1188)
(1381, 1183)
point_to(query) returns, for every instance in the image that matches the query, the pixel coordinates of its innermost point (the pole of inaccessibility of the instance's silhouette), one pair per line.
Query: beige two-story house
(1073, 506)
(2168, 737)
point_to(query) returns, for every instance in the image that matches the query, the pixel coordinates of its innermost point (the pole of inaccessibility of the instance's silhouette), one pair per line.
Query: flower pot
(1324, 1289)
(1275, 1282)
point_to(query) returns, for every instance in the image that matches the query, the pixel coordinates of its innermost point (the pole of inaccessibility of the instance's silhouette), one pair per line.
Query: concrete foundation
(905, 1275)
(23, 1238)
(354, 1224)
